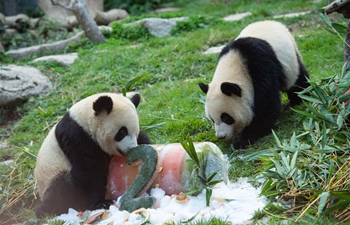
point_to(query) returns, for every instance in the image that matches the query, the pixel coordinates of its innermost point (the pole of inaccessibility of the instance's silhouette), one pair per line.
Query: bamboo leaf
(344, 97)
(203, 180)
(324, 135)
(294, 160)
(190, 219)
(310, 99)
(341, 194)
(212, 183)
(208, 194)
(340, 28)
(278, 142)
(212, 175)
(258, 155)
(340, 121)
(331, 170)
(190, 149)
(325, 18)
(323, 201)
(26, 152)
(340, 205)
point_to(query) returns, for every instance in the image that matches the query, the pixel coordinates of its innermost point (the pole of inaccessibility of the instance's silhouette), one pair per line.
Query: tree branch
(80, 10)
(334, 6)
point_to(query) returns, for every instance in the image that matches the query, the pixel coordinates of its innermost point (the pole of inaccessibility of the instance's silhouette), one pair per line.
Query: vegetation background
(297, 164)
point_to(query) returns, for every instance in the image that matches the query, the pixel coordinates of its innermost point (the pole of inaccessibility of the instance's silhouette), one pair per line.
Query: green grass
(172, 105)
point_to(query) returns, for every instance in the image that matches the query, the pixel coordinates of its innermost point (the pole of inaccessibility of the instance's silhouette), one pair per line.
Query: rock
(7, 163)
(288, 15)
(165, 10)
(157, 26)
(43, 49)
(18, 83)
(104, 18)
(238, 16)
(63, 60)
(3, 145)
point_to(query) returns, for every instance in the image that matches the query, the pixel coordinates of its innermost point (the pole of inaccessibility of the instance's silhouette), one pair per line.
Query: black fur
(136, 99)
(268, 80)
(84, 187)
(103, 103)
(230, 88)
(143, 138)
(300, 85)
(204, 87)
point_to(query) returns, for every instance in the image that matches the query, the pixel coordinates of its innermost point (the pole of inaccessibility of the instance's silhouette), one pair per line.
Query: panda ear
(102, 103)
(204, 87)
(136, 100)
(230, 88)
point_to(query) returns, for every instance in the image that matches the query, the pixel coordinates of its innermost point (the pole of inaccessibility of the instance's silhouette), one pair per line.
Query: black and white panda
(244, 94)
(73, 162)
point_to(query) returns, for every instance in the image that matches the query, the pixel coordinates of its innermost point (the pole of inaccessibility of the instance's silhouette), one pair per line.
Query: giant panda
(73, 162)
(244, 94)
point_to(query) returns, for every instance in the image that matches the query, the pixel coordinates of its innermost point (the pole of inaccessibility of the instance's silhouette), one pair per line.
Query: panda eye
(122, 132)
(226, 118)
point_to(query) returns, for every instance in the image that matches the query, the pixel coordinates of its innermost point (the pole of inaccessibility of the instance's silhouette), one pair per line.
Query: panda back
(282, 43)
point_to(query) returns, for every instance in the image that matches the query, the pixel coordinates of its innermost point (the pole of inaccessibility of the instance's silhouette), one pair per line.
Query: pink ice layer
(168, 174)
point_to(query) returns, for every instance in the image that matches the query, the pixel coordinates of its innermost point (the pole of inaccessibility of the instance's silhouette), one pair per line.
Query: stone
(7, 163)
(18, 83)
(3, 145)
(44, 49)
(166, 10)
(63, 60)
(157, 26)
(288, 15)
(238, 16)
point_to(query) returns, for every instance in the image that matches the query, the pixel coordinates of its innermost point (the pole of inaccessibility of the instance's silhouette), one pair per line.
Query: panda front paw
(105, 204)
(240, 144)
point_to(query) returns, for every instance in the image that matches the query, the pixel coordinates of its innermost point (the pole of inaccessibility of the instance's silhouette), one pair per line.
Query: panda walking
(244, 94)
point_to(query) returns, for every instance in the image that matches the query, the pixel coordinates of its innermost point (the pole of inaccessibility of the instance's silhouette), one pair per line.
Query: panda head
(110, 119)
(226, 107)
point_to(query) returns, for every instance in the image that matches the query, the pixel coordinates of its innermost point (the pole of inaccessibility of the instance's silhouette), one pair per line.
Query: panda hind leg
(59, 197)
(301, 84)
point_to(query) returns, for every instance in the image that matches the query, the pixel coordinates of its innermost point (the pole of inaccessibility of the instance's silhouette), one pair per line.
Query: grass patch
(172, 103)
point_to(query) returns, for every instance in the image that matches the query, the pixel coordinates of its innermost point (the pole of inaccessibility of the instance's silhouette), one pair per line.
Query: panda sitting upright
(244, 94)
(73, 162)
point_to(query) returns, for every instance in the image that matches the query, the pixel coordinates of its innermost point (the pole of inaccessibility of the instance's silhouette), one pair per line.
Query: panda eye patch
(226, 118)
(122, 132)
